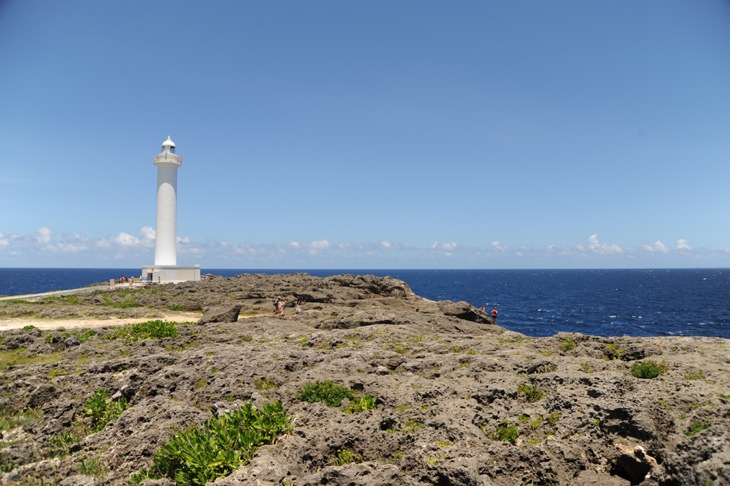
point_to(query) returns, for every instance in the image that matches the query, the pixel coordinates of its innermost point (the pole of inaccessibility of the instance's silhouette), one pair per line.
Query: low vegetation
(199, 455)
(145, 330)
(333, 394)
(648, 369)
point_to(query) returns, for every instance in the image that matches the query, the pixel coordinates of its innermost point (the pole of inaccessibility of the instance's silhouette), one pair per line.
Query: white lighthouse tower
(167, 163)
(166, 269)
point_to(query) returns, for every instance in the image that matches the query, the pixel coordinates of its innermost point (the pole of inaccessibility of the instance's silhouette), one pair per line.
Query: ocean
(642, 302)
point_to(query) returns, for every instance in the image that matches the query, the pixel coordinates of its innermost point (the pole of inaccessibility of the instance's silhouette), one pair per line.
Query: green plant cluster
(199, 455)
(648, 369)
(567, 343)
(103, 410)
(100, 410)
(347, 456)
(332, 394)
(531, 393)
(145, 330)
(613, 351)
(696, 427)
(507, 432)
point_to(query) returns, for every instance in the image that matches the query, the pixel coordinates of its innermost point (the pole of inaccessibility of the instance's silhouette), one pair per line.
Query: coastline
(458, 399)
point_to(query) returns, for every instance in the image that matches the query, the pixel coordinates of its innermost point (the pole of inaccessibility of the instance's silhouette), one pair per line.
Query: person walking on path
(280, 307)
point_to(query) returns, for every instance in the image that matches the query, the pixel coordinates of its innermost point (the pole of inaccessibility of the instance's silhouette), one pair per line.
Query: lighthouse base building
(170, 273)
(166, 269)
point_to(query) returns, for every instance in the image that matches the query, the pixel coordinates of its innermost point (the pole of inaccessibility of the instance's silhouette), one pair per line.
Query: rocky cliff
(457, 399)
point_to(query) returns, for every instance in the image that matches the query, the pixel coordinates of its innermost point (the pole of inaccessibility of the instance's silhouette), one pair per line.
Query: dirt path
(91, 323)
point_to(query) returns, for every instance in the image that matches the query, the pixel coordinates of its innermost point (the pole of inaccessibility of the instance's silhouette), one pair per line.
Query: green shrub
(567, 343)
(347, 456)
(103, 410)
(696, 427)
(62, 299)
(532, 393)
(332, 395)
(145, 330)
(613, 351)
(358, 405)
(506, 432)
(93, 467)
(11, 418)
(553, 418)
(648, 369)
(326, 391)
(81, 336)
(199, 455)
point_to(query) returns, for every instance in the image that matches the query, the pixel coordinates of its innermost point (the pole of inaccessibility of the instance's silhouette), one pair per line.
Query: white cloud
(125, 239)
(596, 246)
(320, 245)
(657, 247)
(444, 246)
(44, 235)
(147, 233)
(683, 245)
(47, 247)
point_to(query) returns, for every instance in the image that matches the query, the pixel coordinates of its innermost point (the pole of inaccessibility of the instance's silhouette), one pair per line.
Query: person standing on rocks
(280, 307)
(298, 304)
(494, 314)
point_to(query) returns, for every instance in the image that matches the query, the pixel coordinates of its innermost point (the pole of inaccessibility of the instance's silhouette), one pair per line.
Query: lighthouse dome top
(168, 145)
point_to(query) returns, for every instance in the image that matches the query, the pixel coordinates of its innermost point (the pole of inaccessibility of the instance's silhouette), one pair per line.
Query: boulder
(221, 313)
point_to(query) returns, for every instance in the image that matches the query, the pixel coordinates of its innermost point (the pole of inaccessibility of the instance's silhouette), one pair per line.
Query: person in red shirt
(494, 313)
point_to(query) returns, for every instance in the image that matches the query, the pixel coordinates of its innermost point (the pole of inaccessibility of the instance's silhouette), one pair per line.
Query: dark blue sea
(687, 302)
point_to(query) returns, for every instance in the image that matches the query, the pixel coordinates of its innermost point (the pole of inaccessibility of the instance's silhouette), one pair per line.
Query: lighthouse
(166, 269)
(167, 163)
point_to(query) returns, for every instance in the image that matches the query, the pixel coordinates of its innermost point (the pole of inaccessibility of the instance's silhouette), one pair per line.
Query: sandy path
(90, 323)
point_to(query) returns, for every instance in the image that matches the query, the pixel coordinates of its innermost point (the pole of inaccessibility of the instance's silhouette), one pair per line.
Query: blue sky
(379, 134)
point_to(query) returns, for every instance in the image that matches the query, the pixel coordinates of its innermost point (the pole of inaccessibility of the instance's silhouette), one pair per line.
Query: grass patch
(347, 456)
(333, 394)
(23, 357)
(145, 330)
(613, 351)
(99, 411)
(10, 418)
(81, 336)
(695, 376)
(103, 410)
(199, 455)
(696, 427)
(266, 384)
(531, 393)
(553, 418)
(506, 432)
(412, 426)
(61, 299)
(567, 343)
(93, 467)
(648, 369)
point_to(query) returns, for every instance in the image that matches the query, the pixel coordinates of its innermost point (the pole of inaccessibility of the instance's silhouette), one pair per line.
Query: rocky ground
(459, 400)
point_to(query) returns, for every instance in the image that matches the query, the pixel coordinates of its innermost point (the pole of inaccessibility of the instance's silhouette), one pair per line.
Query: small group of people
(494, 311)
(280, 303)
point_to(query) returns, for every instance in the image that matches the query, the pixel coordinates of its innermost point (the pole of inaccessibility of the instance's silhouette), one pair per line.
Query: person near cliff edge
(494, 313)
